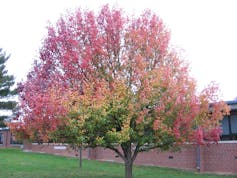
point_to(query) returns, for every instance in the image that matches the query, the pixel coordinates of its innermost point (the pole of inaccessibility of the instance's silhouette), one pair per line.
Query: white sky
(205, 29)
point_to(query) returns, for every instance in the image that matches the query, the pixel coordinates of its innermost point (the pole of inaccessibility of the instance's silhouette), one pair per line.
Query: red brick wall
(107, 155)
(54, 149)
(185, 159)
(218, 158)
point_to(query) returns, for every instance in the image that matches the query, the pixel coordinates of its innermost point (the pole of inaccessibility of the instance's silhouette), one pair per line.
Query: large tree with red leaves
(113, 81)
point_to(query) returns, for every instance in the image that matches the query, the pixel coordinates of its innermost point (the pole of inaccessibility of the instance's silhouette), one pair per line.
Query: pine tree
(6, 91)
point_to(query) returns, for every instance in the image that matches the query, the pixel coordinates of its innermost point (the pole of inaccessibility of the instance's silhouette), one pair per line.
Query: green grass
(17, 164)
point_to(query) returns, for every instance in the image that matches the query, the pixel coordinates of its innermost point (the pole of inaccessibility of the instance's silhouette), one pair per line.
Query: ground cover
(17, 164)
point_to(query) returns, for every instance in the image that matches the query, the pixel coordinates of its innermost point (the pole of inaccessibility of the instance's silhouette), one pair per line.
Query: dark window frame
(1, 138)
(231, 135)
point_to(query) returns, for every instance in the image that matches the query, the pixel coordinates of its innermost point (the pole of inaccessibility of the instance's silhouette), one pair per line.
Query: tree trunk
(80, 157)
(128, 156)
(127, 149)
(128, 169)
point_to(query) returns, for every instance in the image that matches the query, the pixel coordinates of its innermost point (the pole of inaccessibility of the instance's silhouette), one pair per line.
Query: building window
(233, 123)
(225, 126)
(1, 138)
(229, 127)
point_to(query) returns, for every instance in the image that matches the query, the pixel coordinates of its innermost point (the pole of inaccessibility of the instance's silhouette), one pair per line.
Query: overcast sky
(205, 29)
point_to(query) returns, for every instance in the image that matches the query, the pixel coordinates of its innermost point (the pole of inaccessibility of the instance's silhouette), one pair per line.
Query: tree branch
(116, 151)
(146, 148)
(136, 151)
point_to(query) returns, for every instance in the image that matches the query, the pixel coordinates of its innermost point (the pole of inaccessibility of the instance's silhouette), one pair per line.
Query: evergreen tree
(6, 83)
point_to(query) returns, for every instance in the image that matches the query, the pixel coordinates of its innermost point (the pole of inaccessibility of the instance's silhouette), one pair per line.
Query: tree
(113, 81)
(6, 82)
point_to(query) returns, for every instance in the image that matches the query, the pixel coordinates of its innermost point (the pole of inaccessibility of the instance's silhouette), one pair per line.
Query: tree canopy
(106, 79)
(6, 91)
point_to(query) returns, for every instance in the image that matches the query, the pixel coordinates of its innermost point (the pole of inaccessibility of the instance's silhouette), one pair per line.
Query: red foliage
(106, 51)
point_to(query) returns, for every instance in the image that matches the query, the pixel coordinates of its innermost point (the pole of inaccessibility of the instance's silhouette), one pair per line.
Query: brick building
(215, 158)
(5, 137)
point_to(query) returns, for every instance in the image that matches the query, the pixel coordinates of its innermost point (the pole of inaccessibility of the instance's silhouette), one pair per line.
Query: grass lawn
(17, 164)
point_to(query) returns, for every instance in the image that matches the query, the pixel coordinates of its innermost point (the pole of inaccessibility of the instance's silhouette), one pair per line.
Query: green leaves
(6, 91)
